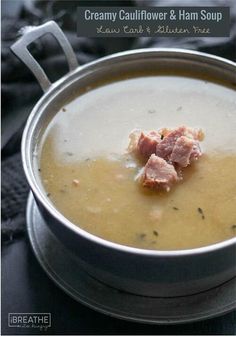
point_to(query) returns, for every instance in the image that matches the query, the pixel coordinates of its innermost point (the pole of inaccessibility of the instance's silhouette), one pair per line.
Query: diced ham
(196, 152)
(196, 134)
(182, 151)
(169, 151)
(165, 147)
(158, 173)
(133, 140)
(148, 142)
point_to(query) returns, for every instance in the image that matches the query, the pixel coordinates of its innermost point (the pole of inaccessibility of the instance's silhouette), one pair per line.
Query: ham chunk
(148, 142)
(166, 152)
(157, 173)
(165, 147)
(133, 141)
(196, 152)
(182, 151)
(196, 134)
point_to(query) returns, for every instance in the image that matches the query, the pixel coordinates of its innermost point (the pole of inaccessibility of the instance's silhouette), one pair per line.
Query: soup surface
(89, 177)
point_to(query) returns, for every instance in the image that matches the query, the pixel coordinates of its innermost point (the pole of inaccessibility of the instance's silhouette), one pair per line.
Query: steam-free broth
(89, 177)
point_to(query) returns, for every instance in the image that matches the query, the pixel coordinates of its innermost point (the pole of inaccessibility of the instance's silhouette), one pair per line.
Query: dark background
(25, 287)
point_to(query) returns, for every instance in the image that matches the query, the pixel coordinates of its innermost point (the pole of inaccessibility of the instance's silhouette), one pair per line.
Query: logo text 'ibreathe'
(41, 321)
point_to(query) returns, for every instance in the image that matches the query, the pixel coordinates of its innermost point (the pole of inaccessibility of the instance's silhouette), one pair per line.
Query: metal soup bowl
(139, 271)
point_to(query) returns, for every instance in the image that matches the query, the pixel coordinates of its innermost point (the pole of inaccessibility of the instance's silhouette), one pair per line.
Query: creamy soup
(89, 177)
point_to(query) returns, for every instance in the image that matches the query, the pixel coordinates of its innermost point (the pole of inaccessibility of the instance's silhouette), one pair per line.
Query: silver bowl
(139, 271)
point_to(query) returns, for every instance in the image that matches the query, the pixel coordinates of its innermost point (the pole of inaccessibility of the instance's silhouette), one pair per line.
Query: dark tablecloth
(25, 287)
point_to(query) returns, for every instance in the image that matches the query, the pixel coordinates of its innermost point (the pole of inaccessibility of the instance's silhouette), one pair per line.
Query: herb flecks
(141, 236)
(155, 233)
(175, 208)
(48, 195)
(233, 227)
(162, 136)
(69, 153)
(200, 211)
(151, 111)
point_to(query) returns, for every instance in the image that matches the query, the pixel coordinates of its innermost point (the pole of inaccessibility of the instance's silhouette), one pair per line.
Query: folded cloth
(14, 195)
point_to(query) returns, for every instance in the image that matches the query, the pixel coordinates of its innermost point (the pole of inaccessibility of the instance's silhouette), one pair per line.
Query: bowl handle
(32, 33)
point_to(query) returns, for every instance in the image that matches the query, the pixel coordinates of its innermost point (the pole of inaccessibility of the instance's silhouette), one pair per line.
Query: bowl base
(63, 268)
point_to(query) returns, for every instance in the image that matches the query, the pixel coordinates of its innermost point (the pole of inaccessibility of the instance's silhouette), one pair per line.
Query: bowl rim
(40, 195)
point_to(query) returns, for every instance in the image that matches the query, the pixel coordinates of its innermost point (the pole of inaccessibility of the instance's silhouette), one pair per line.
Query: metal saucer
(65, 271)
